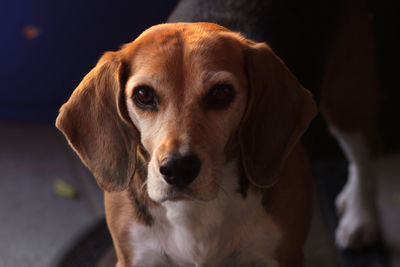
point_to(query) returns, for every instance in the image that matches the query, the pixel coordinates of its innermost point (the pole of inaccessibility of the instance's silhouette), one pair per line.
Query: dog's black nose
(180, 171)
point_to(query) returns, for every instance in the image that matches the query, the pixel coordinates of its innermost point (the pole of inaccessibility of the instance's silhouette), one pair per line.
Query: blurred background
(51, 210)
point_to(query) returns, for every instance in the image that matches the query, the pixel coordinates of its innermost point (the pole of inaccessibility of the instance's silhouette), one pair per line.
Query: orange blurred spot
(31, 32)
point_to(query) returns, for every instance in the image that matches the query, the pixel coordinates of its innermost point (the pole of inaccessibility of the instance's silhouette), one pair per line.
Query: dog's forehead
(186, 46)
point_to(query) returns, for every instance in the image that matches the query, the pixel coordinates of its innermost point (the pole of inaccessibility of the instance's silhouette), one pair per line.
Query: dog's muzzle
(180, 171)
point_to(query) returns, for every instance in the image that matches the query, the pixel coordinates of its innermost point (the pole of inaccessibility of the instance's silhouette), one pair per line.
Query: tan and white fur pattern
(159, 98)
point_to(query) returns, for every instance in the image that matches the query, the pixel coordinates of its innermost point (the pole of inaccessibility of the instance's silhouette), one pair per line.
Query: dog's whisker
(223, 190)
(143, 186)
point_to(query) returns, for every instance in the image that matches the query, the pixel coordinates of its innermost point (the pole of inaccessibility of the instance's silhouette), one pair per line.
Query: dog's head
(192, 97)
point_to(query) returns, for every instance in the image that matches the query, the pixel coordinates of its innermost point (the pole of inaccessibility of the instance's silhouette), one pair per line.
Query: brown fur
(283, 108)
(350, 90)
(95, 124)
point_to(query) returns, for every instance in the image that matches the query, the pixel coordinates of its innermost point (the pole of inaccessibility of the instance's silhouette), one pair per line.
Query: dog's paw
(358, 217)
(356, 229)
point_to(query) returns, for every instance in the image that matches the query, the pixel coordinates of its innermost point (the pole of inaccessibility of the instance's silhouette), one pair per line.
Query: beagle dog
(193, 132)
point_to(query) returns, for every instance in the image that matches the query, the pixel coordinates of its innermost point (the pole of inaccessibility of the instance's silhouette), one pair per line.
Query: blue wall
(38, 75)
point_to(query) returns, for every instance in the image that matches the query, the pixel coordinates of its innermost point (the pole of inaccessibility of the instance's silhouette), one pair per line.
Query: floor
(38, 223)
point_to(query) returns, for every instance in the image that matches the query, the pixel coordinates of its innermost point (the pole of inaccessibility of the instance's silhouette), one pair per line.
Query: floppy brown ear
(279, 110)
(96, 125)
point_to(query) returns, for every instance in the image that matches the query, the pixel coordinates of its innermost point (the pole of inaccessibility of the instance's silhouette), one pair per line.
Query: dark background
(38, 75)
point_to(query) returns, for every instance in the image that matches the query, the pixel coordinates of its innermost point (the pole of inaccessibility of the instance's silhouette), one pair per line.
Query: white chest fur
(227, 231)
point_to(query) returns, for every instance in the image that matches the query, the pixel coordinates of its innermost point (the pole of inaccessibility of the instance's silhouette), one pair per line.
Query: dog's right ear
(96, 124)
(279, 111)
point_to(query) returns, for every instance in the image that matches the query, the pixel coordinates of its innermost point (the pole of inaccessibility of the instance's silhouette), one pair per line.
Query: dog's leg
(356, 202)
(349, 102)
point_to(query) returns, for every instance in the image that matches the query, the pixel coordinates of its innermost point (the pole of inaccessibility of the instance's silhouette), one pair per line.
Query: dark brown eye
(220, 96)
(144, 97)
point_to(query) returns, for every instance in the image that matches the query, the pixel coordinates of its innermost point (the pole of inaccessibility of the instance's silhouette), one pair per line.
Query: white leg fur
(356, 202)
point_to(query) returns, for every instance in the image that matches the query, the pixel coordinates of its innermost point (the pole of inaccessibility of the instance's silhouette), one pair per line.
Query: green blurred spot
(396, 198)
(64, 189)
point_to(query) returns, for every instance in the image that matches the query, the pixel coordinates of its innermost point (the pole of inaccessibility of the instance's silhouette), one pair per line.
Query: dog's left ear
(278, 112)
(96, 124)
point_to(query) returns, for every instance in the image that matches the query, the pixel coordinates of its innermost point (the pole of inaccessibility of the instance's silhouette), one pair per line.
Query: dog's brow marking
(211, 78)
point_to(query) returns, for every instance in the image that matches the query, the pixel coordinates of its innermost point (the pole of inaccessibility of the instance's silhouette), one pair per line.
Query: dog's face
(187, 103)
(193, 97)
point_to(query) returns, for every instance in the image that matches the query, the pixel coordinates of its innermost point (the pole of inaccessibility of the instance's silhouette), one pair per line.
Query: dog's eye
(144, 97)
(219, 96)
